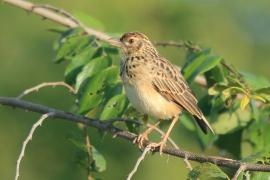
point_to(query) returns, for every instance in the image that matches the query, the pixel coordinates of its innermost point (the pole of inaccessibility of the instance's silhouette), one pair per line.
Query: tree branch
(107, 126)
(46, 84)
(238, 172)
(65, 19)
(141, 158)
(27, 140)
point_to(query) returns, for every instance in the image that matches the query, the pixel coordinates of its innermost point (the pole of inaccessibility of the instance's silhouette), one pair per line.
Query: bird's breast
(147, 100)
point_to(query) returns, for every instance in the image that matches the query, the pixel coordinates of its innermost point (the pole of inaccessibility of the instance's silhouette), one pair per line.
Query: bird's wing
(169, 82)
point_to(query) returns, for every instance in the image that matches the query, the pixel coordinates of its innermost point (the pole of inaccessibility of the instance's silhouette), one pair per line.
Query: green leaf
(187, 121)
(255, 82)
(114, 107)
(232, 91)
(89, 21)
(244, 102)
(133, 127)
(100, 162)
(218, 75)
(230, 143)
(96, 65)
(72, 32)
(262, 157)
(256, 138)
(199, 63)
(231, 121)
(260, 175)
(91, 92)
(79, 143)
(264, 93)
(71, 47)
(216, 89)
(207, 171)
(77, 63)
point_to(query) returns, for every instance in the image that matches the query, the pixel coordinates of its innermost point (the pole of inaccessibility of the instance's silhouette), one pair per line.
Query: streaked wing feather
(171, 85)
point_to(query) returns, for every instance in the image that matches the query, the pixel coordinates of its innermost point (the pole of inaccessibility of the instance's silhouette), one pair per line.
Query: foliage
(207, 171)
(235, 103)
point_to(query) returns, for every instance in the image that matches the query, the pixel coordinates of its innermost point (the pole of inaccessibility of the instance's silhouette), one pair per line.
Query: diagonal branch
(141, 158)
(50, 14)
(64, 18)
(105, 126)
(28, 139)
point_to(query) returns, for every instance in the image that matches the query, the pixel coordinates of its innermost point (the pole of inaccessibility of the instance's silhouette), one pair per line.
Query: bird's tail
(204, 124)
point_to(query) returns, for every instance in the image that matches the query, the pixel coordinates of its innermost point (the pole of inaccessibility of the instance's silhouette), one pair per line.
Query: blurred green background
(237, 30)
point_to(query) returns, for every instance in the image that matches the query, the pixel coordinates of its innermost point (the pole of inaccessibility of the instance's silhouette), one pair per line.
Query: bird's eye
(131, 41)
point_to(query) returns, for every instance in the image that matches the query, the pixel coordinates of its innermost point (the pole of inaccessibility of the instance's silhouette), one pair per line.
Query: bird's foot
(159, 145)
(140, 140)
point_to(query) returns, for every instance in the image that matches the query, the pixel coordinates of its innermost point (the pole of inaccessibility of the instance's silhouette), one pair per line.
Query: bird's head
(134, 42)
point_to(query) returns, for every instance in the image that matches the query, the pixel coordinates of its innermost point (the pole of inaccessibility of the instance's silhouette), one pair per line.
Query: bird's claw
(159, 145)
(140, 140)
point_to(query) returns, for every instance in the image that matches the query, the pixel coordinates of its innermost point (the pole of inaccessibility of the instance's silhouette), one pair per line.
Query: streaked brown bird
(154, 86)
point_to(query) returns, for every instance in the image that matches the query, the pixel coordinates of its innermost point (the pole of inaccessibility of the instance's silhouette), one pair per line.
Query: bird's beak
(115, 42)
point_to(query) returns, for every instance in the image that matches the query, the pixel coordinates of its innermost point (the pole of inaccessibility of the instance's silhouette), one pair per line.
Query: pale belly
(148, 101)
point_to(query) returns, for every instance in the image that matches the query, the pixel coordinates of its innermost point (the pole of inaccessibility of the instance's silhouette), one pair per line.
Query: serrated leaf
(114, 107)
(94, 66)
(244, 102)
(200, 63)
(89, 21)
(207, 171)
(77, 63)
(100, 162)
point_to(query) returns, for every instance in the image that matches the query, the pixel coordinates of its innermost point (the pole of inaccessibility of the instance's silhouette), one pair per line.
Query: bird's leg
(144, 136)
(162, 143)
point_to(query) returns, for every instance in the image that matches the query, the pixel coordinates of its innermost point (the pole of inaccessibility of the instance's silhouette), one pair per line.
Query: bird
(155, 86)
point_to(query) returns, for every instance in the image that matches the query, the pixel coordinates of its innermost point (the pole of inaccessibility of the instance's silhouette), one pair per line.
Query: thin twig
(162, 134)
(141, 158)
(103, 126)
(64, 18)
(57, 10)
(69, 22)
(180, 44)
(58, 18)
(188, 165)
(157, 130)
(238, 172)
(113, 120)
(46, 84)
(29, 138)
(89, 151)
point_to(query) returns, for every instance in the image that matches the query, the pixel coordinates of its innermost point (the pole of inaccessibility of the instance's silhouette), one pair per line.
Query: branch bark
(107, 126)
(69, 22)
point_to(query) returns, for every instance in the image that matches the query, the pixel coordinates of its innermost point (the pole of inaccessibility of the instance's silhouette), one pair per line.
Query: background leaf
(199, 63)
(114, 107)
(207, 171)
